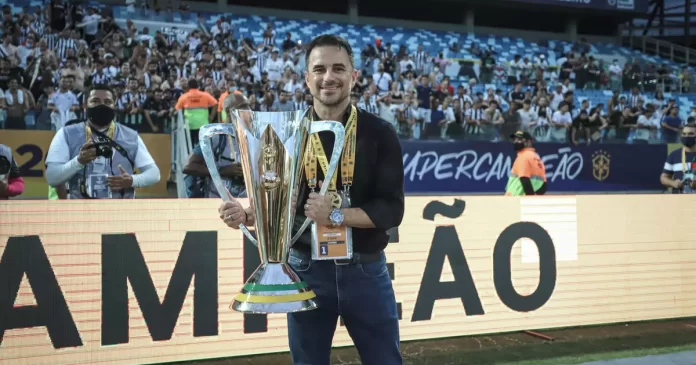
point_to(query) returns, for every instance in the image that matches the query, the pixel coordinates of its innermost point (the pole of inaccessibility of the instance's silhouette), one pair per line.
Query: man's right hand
(232, 213)
(88, 153)
(677, 184)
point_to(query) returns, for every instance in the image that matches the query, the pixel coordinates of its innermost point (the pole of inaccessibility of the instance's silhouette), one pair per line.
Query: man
(195, 104)
(11, 184)
(679, 172)
(98, 158)
(528, 174)
(226, 155)
(358, 289)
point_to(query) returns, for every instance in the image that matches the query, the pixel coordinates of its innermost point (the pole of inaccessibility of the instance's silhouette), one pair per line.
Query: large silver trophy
(272, 147)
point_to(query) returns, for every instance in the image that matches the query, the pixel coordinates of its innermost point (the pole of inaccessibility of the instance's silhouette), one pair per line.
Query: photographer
(11, 184)
(225, 158)
(97, 158)
(680, 166)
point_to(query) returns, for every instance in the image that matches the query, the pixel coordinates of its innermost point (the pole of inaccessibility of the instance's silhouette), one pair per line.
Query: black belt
(358, 257)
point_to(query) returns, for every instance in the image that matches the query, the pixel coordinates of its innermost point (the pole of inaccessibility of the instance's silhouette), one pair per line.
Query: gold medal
(335, 199)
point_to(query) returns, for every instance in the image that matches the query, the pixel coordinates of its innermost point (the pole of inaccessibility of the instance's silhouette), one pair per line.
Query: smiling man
(366, 198)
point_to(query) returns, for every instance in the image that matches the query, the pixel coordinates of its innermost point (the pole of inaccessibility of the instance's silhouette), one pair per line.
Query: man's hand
(318, 208)
(232, 170)
(88, 153)
(677, 184)
(124, 181)
(232, 214)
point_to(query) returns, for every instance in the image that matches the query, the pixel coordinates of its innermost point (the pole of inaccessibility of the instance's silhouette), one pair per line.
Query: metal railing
(668, 50)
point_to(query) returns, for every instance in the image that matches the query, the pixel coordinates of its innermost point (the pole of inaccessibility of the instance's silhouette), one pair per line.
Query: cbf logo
(601, 165)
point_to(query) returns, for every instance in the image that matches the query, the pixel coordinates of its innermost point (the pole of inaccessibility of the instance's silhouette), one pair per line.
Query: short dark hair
(193, 84)
(103, 87)
(330, 40)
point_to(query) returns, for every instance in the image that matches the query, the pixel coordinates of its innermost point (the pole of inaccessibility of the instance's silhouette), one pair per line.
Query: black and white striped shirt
(633, 100)
(370, 107)
(419, 59)
(63, 45)
(99, 78)
(216, 75)
(300, 105)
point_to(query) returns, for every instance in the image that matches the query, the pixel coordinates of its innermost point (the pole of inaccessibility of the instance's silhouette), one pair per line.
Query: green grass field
(569, 346)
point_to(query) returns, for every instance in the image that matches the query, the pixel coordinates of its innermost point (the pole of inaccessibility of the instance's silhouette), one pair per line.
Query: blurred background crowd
(562, 92)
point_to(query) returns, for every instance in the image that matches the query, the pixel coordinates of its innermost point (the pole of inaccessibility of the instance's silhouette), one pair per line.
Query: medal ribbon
(316, 153)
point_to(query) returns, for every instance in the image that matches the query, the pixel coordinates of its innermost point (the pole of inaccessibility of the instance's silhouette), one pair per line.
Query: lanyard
(110, 132)
(315, 153)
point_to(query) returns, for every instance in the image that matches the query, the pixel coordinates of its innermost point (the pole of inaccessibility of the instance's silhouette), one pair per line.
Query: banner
(484, 167)
(460, 266)
(30, 149)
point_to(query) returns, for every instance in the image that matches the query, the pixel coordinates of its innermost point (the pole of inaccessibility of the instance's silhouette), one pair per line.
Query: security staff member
(528, 175)
(97, 158)
(226, 154)
(372, 201)
(11, 184)
(195, 105)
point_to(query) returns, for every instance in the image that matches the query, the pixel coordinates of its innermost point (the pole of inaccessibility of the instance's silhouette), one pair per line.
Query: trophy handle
(339, 132)
(205, 135)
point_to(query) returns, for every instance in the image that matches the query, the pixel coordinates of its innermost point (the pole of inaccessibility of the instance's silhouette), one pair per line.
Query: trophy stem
(274, 288)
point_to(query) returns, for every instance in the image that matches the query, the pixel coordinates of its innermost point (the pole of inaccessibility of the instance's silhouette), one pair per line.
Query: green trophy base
(274, 288)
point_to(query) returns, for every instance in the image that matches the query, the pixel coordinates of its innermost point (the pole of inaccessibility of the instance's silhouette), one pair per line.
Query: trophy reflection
(272, 147)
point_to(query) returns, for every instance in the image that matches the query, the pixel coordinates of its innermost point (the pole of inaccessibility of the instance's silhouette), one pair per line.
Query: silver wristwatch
(336, 217)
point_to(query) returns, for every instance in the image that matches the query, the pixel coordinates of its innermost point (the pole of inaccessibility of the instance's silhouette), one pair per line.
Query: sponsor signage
(484, 167)
(150, 281)
(638, 6)
(30, 148)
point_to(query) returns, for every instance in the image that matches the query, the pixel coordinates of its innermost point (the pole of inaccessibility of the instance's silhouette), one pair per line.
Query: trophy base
(274, 288)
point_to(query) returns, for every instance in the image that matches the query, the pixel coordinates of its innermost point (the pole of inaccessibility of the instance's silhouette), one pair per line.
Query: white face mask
(693, 114)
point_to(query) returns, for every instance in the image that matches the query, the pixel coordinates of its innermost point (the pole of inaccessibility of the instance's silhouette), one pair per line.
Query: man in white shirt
(561, 123)
(90, 23)
(646, 126)
(63, 103)
(528, 118)
(382, 80)
(98, 158)
(274, 67)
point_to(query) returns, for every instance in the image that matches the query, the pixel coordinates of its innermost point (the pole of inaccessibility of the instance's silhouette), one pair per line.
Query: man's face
(158, 95)
(100, 97)
(330, 75)
(66, 83)
(152, 68)
(133, 84)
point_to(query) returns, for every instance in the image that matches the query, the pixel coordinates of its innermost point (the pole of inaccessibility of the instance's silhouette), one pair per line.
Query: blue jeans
(362, 294)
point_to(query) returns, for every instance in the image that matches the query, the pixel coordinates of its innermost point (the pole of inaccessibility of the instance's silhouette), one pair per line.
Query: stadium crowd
(51, 55)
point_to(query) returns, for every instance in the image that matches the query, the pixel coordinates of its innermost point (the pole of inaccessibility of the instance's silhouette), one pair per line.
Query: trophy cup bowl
(272, 147)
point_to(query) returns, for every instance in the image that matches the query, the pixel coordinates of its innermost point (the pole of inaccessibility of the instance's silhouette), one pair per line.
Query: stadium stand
(455, 56)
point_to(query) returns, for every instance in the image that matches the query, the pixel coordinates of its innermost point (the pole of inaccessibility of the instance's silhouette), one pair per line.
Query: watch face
(336, 216)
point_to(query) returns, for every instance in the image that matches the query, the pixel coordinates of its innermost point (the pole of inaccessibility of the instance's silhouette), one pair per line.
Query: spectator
(671, 126)
(195, 104)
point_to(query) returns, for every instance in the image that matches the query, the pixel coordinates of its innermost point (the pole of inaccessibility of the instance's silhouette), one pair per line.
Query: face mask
(688, 142)
(233, 89)
(100, 115)
(518, 146)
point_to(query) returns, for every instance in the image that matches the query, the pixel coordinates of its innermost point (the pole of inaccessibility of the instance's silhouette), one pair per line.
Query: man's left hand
(123, 181)
(318, 208)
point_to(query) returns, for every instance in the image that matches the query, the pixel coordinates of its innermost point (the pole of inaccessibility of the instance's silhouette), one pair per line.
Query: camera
(103, 147)
(5, 165)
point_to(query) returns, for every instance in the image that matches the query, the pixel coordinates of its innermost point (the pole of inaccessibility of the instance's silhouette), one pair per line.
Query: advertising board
(150, 281)
(484, 167)
(30, 149)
